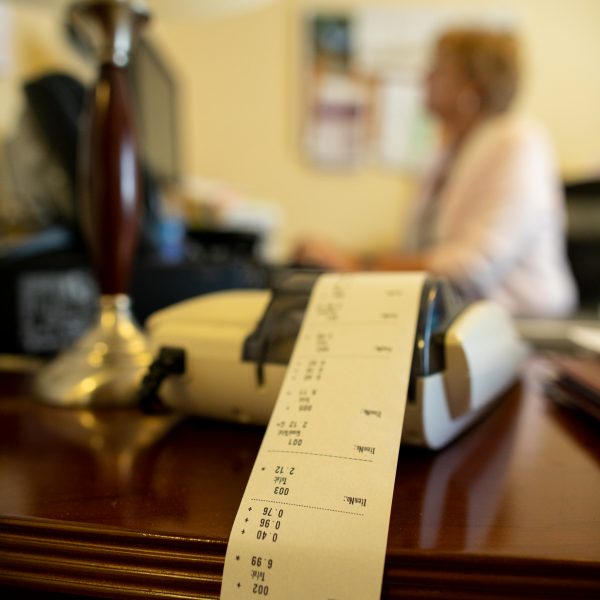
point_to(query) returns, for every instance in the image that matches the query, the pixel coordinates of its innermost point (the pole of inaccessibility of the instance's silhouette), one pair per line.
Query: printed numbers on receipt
(314, 518)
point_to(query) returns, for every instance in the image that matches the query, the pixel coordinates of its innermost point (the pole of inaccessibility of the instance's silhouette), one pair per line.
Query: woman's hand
(320, 253)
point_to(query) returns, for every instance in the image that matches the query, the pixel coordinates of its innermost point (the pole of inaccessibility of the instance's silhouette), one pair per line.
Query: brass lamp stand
(104, 367)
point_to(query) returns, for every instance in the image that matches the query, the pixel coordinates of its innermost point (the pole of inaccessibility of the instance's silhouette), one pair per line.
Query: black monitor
(156, 101)
(583, 240)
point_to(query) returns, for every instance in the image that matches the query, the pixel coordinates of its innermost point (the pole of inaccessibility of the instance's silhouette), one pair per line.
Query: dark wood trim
(107, 562)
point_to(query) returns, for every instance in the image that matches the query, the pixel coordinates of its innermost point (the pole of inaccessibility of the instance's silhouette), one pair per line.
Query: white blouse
(497, 227)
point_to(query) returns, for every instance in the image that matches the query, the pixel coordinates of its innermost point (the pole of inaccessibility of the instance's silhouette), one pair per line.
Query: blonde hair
(490, 59)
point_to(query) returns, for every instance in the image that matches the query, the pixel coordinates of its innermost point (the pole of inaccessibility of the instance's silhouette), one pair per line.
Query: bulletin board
(362, 86)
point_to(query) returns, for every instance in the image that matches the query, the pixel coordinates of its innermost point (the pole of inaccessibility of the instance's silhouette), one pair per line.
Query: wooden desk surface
(123, 506)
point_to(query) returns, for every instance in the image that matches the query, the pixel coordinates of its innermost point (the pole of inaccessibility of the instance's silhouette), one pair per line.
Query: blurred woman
(490, 215)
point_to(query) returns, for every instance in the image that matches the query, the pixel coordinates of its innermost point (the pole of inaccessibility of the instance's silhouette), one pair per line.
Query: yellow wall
(241, 86)
(241, 78)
